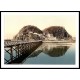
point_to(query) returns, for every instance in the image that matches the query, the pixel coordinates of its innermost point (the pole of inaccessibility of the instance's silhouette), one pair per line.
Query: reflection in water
(52, 50)
(57, 51)
(51, 53)
(47, 53)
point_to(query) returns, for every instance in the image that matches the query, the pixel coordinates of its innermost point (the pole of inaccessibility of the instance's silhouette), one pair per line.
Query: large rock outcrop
(29, 32)
(56, 31)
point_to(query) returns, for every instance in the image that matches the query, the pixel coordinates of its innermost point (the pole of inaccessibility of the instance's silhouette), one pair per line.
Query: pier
(19, 50)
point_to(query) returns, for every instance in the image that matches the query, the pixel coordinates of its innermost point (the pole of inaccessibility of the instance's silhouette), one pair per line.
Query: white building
(50, 37)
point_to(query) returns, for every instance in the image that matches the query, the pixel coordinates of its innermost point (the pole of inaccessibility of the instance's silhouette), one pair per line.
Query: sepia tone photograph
(40, 39)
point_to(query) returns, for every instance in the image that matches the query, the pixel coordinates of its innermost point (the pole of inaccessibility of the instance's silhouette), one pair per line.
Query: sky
(14, 21)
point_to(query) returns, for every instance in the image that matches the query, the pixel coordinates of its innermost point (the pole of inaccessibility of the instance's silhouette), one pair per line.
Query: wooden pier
(21, 49)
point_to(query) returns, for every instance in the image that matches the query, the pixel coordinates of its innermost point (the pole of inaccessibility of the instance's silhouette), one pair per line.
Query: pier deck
(21, 48)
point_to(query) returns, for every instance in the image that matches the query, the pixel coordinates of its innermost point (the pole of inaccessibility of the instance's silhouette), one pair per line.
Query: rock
(31, 32)
(56, 31)
(28, 32)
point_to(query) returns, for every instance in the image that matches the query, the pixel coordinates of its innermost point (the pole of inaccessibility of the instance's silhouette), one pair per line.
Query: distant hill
(28, 32)
(31, 28)
(31, 32)
(57, 31)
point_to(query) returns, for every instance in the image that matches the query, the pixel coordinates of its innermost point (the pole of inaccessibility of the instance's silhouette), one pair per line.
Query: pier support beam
(11, 56)
(18, 50)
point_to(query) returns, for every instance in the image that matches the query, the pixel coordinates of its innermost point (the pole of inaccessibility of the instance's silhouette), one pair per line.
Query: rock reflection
(57, 51)
(51, 49)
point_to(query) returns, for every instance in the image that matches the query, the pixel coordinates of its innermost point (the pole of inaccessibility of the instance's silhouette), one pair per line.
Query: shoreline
(58, 41)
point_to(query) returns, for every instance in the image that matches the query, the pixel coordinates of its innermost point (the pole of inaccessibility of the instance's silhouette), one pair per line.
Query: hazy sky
(13, 22)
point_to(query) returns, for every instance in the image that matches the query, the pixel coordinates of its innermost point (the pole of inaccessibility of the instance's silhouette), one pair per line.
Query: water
(50, 53)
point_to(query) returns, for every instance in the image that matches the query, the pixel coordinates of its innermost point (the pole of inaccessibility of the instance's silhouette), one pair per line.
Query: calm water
(50, 53)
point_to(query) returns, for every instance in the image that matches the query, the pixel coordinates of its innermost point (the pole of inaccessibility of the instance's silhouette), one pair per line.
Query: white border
(39, 66)
(39, 13)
